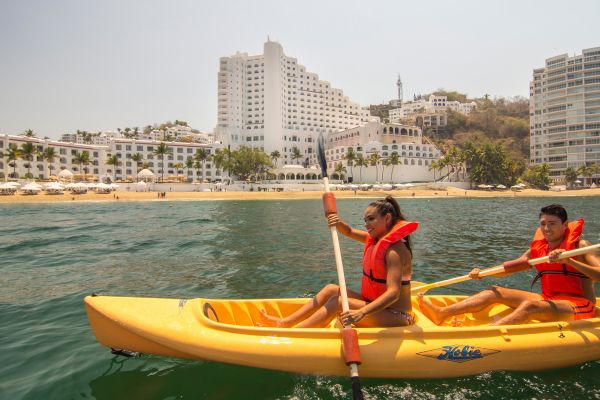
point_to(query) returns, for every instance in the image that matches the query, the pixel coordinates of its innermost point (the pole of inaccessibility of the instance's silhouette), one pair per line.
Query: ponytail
(389, 205)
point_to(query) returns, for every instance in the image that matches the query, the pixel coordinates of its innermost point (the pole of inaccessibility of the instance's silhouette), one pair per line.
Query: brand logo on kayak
(458, 353)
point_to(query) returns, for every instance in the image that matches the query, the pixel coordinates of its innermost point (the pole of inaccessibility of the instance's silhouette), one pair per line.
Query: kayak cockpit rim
(415, 330)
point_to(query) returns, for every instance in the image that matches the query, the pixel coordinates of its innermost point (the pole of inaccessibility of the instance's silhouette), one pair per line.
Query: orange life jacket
(557, 277)
(374, 268)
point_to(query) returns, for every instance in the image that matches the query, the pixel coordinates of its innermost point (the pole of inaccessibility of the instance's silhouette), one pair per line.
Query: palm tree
(49, 154)
(570, 176)
(137, 158)
(189, 163)
(29, 133)
(199, 159)
(178, 166)
(587, 171)
(433, 166)
(114, 161)
(275, 155)
(28, 150)
(160, 151)
(385, 162)
(394, 160)
(223, 159)
(350, 156)
(360, 163)
(340, 169)
(296, 155)
(13, 155)
(82, 159)
(374, 159)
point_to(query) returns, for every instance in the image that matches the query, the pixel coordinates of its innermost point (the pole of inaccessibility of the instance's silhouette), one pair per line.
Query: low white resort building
(124, 149)
(415, 153)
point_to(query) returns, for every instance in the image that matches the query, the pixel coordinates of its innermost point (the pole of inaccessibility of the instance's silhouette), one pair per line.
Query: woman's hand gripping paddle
(520, 264)
(349, 335)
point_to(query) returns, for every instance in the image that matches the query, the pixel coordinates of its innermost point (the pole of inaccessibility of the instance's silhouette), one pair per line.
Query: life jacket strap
(551, 272)
(372, 278)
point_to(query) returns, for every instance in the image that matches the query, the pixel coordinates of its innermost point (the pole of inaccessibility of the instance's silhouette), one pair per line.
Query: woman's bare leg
(306, 310)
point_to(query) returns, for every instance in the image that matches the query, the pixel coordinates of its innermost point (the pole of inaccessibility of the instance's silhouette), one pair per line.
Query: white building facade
(415, 152)
(270, 101)
(564, 114)
(124, 149)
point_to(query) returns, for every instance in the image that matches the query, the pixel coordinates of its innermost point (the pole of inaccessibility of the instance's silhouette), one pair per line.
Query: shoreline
(126, 196)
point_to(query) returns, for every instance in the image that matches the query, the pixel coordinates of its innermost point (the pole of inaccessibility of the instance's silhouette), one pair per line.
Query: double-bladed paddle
(520, 264)
(349, 335)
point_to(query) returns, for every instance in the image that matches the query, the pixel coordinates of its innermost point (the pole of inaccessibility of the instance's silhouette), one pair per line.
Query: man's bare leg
(492, 295)
(542, 310)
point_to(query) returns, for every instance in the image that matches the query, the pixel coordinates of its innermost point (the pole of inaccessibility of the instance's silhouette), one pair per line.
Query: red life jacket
(556, 277)
(374, 268)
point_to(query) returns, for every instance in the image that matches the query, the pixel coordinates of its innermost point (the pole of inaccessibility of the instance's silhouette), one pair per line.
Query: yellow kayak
(229, 331)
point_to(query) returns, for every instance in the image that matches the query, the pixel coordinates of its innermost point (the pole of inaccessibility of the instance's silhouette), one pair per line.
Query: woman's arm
(345, 229)
(396, 260)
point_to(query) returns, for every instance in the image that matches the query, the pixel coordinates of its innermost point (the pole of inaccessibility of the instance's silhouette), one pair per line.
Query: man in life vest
(567, 285)
(387, 267)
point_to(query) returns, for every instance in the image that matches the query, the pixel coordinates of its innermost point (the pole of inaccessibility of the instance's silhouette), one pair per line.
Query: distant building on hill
(177, 133)
(564, 107)
(430, 112)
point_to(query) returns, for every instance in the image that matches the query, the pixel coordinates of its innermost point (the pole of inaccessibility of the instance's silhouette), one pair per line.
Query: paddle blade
(321, 155)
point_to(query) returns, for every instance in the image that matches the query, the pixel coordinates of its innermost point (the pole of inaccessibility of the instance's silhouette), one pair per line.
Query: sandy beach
(238, 195)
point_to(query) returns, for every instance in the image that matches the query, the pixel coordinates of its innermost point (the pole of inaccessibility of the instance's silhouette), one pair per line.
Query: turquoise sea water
(52, 255)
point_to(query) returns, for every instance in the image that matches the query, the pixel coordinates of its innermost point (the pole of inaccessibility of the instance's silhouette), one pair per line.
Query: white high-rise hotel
(565, 112)
(271, 102)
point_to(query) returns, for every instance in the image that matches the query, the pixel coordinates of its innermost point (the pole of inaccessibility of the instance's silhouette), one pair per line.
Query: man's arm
(588, 264)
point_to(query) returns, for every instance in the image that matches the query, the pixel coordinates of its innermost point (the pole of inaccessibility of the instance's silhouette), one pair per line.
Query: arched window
(412, 162)
(405, 161)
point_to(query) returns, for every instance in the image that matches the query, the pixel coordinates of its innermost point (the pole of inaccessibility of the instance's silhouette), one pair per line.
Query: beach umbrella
(113, 186)
(386, 187)
(408, 185)
(577, 181)
(353, 187)
(376, 187)
(12, 184)
(65, 174)
(501, 187)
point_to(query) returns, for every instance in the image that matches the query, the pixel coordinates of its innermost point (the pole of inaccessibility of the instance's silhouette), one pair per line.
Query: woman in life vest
(387, 267)
(567, 285)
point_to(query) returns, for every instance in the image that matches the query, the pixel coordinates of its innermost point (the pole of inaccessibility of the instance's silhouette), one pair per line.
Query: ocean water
(52, 255)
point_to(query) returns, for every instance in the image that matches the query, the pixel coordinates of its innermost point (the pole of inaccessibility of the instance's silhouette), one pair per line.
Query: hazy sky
(99, 65)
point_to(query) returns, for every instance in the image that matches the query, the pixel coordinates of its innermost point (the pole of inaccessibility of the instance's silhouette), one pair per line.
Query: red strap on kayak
(350, 346)
(516, 265)
(329, 203)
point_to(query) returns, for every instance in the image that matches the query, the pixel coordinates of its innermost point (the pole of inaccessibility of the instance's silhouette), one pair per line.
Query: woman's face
(375, 224)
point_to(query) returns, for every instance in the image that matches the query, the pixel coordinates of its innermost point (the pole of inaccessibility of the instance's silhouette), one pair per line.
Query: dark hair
(555, 209)
(390, 206)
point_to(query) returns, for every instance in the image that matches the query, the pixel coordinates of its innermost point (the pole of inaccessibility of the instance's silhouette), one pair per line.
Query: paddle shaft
(338, 259)
(498, 269)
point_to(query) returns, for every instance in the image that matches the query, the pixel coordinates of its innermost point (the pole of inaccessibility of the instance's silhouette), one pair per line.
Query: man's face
(552, 228)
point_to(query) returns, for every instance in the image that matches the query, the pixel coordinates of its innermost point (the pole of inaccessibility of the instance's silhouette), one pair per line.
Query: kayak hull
(229, 331)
